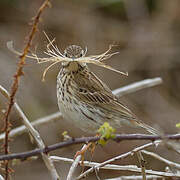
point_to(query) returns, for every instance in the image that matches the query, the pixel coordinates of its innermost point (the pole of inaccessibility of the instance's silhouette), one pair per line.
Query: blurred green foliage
(113, 7)
(151, 5)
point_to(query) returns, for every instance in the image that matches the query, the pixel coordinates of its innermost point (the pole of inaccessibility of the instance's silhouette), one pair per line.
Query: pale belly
(88, 118)
(81, 116)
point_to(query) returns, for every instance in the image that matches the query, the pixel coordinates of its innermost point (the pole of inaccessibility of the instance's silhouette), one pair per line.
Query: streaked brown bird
(85, 99)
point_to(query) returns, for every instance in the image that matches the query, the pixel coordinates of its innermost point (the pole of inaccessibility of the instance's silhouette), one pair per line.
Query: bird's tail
(148, 128)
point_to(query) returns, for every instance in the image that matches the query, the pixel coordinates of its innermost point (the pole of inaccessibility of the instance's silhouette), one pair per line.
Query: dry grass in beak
(55, 56)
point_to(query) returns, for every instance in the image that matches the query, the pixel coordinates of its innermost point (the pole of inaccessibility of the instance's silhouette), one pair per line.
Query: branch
(142, 164)
(74, 165)
(34, 134)
(153, 177)
(118, 138)
(15, 84)
(131, 168)
(137, 86)
(122, 156)
(173, 145)
(1, 178)
(156, 156)
(41, 121)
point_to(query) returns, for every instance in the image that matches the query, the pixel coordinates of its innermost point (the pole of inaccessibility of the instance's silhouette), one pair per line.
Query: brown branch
(118, 138)
(15, 84)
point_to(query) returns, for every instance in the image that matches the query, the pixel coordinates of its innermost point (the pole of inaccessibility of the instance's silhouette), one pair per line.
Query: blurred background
(147, 33)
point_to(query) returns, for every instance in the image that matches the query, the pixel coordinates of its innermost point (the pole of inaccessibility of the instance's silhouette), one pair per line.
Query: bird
(86, 100)
(82, 97)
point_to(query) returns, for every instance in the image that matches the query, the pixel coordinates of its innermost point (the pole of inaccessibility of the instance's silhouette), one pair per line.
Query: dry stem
(148, 177)
(168, 162)
(15, 84)
(137, 86)
(36, 136)
(1, 178)
(74, 165)
(122, 156)
(131, 168)
(142, 164)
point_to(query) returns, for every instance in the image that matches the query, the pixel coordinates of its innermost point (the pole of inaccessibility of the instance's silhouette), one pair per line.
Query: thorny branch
(15, 84)
(34, 134)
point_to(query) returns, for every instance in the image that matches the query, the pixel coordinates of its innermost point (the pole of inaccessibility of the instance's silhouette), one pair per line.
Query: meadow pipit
(85, 99)
(82, 96)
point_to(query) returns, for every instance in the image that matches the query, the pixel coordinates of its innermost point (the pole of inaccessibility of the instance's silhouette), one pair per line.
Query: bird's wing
(93, 91)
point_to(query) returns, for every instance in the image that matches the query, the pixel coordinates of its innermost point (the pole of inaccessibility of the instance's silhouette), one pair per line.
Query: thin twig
(34, 134)
(137, 86)
(148, 177)
(142, 164)
(1, 178)
(122, 156)
(40, 143)
(92, 164)
(74, 165)
(131, 168)
(175, 146)
(41, 121)
(15, 84)
(157, 173)
(156, 156)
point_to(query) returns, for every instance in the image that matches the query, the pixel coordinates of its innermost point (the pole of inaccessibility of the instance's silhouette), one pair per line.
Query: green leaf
(66, 136)
(106, 132)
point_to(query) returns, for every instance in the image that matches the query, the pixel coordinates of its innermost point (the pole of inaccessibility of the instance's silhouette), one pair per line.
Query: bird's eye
(81, 54)
(65, 54)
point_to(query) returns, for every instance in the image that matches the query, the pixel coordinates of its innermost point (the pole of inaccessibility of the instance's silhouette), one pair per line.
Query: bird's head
(73, 52)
